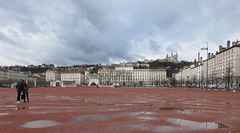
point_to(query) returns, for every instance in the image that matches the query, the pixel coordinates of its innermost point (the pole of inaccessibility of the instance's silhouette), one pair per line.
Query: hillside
(170, 66)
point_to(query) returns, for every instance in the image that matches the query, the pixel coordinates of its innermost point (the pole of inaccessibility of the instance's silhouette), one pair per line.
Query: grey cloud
(5, 39)
(155, 48)
(81, 32)
(174, 48)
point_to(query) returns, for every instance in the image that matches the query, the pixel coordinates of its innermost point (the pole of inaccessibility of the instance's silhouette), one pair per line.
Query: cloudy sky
(75, 32)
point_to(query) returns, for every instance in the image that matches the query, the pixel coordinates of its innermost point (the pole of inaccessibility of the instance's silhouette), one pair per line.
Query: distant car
(116, 85)
(212, 86)
(4, 85)
(219, 87)
(151, 85)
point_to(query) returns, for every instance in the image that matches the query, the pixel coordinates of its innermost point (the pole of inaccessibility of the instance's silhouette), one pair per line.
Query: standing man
(25, 91)
(19, 90)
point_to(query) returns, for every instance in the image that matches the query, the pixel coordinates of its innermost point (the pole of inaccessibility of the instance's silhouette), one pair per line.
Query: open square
(120, 110)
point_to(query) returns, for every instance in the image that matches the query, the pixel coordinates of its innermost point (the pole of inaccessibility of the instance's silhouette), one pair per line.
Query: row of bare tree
(39, 83)
(215, 81)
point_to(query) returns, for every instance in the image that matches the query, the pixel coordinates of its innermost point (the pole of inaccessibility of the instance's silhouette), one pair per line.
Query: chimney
(209, 54)
(233, 43)
(201, 62)
(195, 62)
(220, 48)
(212, 55)
(228, 44)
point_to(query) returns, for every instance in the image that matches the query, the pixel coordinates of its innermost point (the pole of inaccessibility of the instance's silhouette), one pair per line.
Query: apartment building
(128, 76)
(222, 69)
(3, 74)
(210, 75)
(196, 75)
(75, 76)
(15, 75)
(183, 77)
(53, 75)
(228, 66)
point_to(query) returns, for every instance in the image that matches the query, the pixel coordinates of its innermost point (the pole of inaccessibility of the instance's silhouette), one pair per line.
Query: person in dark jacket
(19, 90)
(25, 91)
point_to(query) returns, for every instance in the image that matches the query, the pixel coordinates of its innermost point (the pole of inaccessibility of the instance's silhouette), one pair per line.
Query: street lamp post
(206, 48)
(181, 77)
(199, 69)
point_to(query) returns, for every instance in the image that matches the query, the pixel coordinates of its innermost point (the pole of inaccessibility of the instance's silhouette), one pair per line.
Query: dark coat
(19, 86)
(25, 88)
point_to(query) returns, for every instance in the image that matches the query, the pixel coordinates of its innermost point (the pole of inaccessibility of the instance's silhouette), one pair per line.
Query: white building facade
(209, 71)
(183, 77)
(13, 75)
(196, 75)
(128, 76)
(228, 67)
(77, 77)
(222, 69)
(3, 74)
(53, 75)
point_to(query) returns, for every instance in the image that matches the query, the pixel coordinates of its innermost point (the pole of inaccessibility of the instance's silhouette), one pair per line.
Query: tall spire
(198, 56)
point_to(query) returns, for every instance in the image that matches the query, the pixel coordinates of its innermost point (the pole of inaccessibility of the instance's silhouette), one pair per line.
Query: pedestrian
(25, 92)
(19, 88)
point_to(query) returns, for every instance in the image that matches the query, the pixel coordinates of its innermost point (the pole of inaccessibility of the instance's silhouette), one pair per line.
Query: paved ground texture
(120, 110)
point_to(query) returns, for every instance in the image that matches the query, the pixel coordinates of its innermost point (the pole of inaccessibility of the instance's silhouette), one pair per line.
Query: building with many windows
(17, 75)
(14, 75)
(53, 75)
(74, 76)
(3, 74)
(220, 70)
(228, 66)
(128, 76)
(9, 78)
(183, 76)
(210, 75)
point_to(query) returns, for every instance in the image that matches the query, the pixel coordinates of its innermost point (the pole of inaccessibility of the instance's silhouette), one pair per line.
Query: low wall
(108, 86)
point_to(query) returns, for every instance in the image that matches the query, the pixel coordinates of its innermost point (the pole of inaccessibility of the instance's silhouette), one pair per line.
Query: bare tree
(194, 80)
(228, 76)
(202, 79)
(214, 79)
(173, 81)
(8, 82)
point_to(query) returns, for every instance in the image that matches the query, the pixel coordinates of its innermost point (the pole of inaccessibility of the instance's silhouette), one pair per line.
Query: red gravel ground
(120, 110)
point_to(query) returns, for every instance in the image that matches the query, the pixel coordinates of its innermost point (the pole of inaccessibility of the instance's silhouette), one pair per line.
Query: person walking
(25, 92)
(19, 90)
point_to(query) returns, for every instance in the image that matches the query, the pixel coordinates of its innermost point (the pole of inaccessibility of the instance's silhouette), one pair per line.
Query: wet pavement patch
(84, 119)
(193, 125)
(181, 125)
(135, 108)
(168, 129)
(146, 118)
(4, 114)
(105, 104)
(10, 103)
(40, 124)
(130, 113)
(11, 106)
(170, 108)
(135, 113)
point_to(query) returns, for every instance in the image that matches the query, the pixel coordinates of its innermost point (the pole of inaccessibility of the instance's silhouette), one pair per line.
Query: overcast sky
(75, 32)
